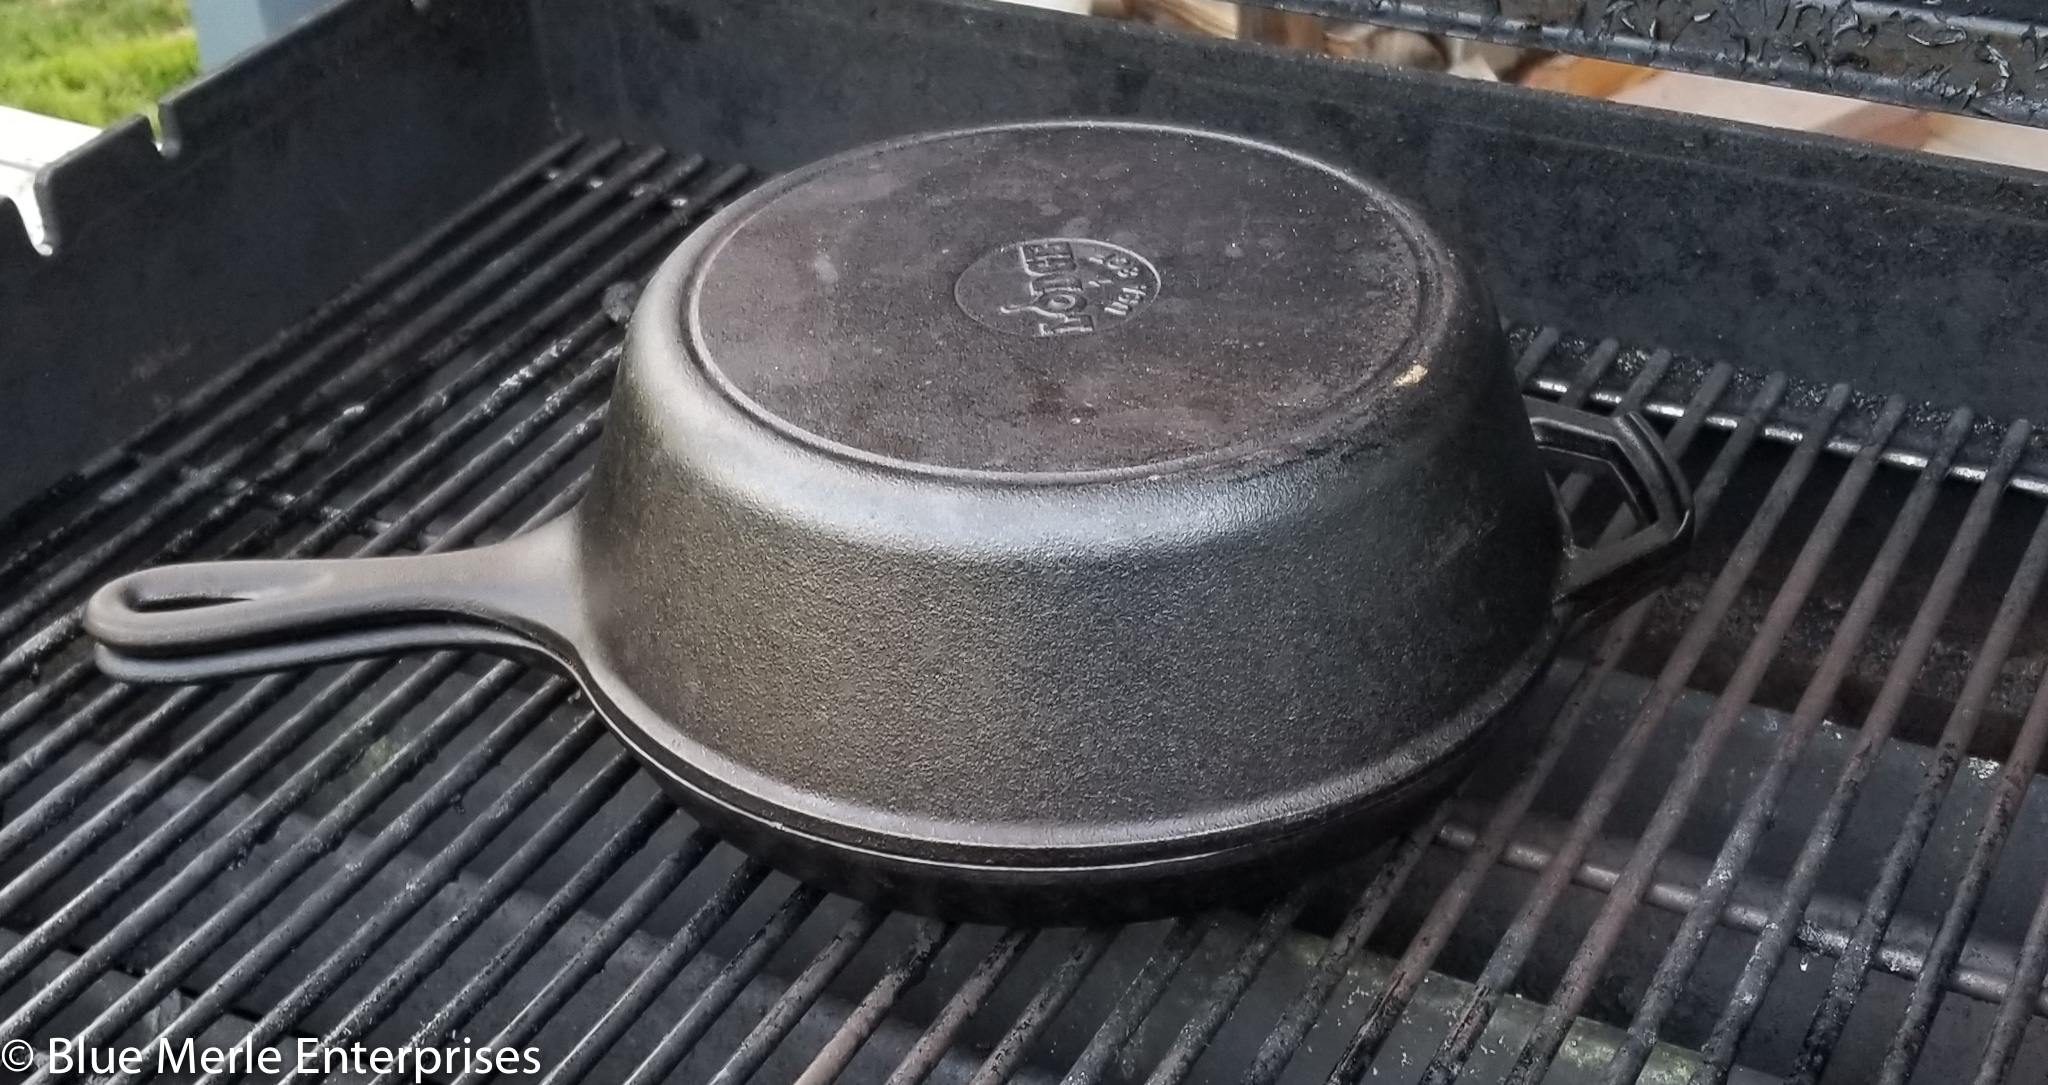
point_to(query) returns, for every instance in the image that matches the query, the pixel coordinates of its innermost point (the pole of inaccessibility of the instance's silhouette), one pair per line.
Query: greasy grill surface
(1773, 822)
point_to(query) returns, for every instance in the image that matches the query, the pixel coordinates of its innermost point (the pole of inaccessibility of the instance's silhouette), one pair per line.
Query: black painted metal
(1983, 57)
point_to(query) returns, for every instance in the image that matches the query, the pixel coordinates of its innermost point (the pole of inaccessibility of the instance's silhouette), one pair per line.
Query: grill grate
(1811, 760)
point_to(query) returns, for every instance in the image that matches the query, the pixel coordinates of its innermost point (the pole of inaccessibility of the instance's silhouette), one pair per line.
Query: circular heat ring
(1056, 287)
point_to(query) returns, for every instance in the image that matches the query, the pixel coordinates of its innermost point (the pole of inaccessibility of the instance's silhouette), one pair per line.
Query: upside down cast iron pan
(1043, 522)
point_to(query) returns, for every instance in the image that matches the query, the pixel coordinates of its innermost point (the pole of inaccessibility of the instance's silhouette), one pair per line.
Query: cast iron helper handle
(1600, 578)
(189, 623)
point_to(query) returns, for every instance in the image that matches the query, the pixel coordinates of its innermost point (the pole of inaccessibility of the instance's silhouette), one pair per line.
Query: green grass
(93, 61)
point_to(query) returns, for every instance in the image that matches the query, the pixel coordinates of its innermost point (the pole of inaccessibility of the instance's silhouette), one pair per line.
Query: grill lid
(1065, 298)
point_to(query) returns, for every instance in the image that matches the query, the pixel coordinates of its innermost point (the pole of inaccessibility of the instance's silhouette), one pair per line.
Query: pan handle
(1597, 579)
(209, 620)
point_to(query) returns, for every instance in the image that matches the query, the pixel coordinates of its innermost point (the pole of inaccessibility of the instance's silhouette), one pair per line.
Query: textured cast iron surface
(1078, 668)
(1072, 687)
(1255, 295)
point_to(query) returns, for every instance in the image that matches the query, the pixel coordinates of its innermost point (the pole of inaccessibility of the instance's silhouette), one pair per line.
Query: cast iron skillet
(1044, 522)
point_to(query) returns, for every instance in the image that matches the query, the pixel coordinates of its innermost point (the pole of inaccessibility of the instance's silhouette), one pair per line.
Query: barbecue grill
(366, 294)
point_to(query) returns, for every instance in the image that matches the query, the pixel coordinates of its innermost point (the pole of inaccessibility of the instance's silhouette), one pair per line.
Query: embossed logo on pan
(1056, 287)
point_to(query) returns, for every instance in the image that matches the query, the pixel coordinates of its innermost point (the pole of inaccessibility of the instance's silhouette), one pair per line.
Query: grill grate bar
(52, 808)
(1598, 361)
(602, 865)
(1138, 999)
(337, 693)
(2030, 480)
(503, 398)
(902, 974)
(590, 957)
(58, 859)
(304, 851)
(400, 270)
(727, 985)
(139, 922)
(968, 998)
(399, 982)
(64, 629)
(1229, 986)
(565, 301)
(1345, 945)
(217, 999)
(1008, 1053)
(284, 501)
(83, 723)
(1902, 957)
(1832, 1015)
(1761, 803)
(649, 984)
(1719, 1053)
(1391, 1001)
(1999, 813)
(1513, 950)
(26, 763)
(53, 690)
(1535, 354)
(2003, 1045)
(1541, 1047)
(54, 584)
(1295, 1022)
(47, 814)
(797, 999)
(331, 829)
